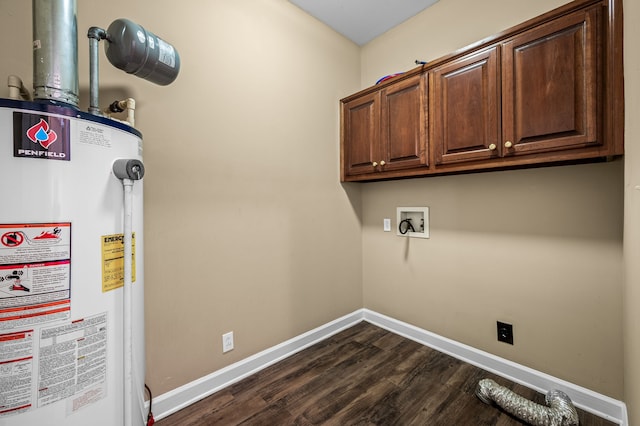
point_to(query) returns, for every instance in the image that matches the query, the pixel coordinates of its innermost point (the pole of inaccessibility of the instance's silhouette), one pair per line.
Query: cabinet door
(465, 108)
(361, 135)
(549, 86)
(404, 129)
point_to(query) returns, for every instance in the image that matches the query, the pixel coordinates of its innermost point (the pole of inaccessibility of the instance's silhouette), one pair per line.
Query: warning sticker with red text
(16, 367)
(35, 269)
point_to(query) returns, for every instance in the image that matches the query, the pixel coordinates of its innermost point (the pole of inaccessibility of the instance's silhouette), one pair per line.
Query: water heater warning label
(113, 261)
(73, 363)
(16, 361)
(95, 135)
(35, 273)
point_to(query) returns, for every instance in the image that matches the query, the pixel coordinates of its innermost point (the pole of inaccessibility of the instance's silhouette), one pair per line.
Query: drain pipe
(559, 411)
(128, 170)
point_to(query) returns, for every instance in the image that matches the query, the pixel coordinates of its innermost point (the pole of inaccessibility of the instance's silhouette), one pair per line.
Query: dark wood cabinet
(550, 86)
(361, 128)
(548, 91)
(403, 125)
(386, 130)
(465, 108)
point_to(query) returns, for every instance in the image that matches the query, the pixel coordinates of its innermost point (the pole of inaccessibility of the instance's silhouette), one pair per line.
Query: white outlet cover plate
(227, 341)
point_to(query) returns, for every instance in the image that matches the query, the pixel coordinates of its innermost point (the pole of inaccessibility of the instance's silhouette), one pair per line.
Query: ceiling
(362, 20)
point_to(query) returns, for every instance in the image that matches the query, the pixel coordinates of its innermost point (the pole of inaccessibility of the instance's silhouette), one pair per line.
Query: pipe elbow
(17, 89)
(96, 33)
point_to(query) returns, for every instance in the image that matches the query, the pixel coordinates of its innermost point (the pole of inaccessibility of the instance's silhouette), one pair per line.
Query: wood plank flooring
(364, 375)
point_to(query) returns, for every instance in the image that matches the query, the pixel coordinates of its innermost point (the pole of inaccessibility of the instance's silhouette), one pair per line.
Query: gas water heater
(71, 240)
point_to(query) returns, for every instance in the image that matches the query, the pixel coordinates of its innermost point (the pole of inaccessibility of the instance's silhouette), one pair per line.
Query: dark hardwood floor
(364, 375)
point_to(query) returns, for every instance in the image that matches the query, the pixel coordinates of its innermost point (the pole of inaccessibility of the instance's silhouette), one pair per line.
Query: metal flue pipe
(55, 51)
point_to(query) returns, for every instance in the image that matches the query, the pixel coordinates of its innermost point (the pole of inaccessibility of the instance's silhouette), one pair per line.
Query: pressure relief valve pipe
(128, 170)
(559, 411)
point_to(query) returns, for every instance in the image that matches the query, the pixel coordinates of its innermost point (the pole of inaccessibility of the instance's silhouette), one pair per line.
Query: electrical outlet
(505, 332)
(227, 341)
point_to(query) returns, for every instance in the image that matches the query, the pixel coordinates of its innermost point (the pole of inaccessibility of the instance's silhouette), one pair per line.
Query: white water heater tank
(61, 268)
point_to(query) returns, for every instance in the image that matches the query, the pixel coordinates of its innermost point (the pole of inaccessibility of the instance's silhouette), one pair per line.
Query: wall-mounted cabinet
(465, 108)
(386, 129)
(548, 91)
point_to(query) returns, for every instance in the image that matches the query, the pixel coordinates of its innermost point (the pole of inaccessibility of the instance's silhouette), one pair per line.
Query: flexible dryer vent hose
(559, 411)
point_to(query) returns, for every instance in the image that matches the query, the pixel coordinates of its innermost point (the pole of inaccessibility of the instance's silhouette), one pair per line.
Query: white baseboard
(179, 398)
(585, 399)
(592, 402)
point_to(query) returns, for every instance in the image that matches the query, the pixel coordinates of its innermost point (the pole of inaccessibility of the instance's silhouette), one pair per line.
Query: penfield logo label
(41, 136)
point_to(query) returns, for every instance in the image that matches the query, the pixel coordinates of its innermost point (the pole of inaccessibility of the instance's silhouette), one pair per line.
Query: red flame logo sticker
(42, 134)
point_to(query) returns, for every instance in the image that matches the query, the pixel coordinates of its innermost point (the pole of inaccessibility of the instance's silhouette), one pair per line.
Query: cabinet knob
(508, 144)
(492, 147)
(382, 163)
(374, 164)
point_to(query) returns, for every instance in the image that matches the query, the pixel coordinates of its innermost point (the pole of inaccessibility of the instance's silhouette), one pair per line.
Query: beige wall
(540, 248)
(247, 226)
(248, 165)
(632, 213)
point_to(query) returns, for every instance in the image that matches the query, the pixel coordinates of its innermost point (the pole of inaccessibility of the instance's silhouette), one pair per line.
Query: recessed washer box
(413, 222)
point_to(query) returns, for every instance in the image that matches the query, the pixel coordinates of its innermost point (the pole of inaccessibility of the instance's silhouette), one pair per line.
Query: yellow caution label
(113, 261)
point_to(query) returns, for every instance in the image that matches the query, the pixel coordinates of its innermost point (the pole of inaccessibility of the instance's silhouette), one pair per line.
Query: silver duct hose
(559, 411)
(55, 51)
